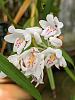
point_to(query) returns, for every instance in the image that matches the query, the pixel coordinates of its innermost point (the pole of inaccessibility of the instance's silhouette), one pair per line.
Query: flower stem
(51, 81)
(42, 45)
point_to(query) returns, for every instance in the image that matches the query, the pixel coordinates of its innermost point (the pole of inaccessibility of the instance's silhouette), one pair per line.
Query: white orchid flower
(17, 37)
(51, 27)
(54, 57)
(32, 64)
(22, 38)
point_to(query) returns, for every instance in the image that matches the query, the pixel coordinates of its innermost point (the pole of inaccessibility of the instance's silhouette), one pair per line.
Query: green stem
(51, 78)
(42, 45)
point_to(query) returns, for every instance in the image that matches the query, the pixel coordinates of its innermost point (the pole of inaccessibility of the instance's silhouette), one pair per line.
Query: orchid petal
(34, 29)
(12, 29)
(23, 68)
(40, 81)
(48, 51)
(56, 20)
(58, 53)
(59, 24)
(55, 41)
(49, 63)
(22, 55)
(57, 65)
(62, 62)
(41, 64)
(19, 45)
(50, 19)
(14, 59)
(48, 32)
(37, 38)
(12, 37)
(44, 24)
(57, 33)
(38, 70)
(28, 40)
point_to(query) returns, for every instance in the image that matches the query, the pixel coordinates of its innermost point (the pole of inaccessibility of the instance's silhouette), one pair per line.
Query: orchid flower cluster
(31, 59)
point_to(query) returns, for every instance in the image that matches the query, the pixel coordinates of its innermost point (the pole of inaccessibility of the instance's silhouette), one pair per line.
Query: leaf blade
(68, 58)
(69, 72)
(18, 77)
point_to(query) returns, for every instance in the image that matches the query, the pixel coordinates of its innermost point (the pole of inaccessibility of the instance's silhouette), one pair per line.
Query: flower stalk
(51, 81)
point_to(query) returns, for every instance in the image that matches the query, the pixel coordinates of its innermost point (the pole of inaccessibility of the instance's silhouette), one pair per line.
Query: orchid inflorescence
(36, 48)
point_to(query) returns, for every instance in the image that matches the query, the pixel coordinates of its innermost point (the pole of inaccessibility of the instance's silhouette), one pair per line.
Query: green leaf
(18, 77)
(68, 58)
(48, 7)
(72, 97)
(70, 73)
(2, 3)
(27, 23)
(51, 78)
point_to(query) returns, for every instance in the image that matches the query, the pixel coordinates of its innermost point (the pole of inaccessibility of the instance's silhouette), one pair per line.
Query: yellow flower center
(52, 57)
(19, 41)
(32, 59)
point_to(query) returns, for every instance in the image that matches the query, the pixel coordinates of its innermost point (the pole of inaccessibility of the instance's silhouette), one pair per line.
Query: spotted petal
(48, 62)
(48, 32)
(12, 37)
(19, 45)
(59, 24)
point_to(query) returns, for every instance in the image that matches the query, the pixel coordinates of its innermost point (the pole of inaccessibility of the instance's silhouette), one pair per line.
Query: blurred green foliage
(72, 97)
(43, 7)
